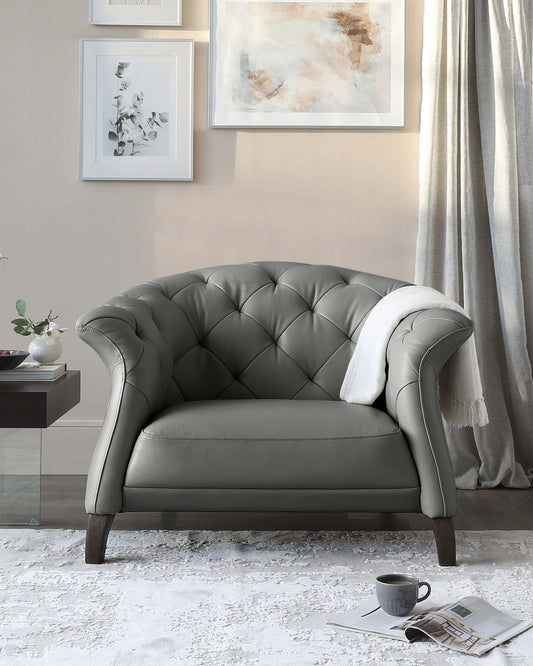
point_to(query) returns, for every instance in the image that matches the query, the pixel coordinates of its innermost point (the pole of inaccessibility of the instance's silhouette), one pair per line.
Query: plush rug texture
(239, 598)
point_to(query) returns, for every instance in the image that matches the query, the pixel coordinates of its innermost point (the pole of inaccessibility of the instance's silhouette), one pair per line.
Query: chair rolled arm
(417, 351)
(140, 363)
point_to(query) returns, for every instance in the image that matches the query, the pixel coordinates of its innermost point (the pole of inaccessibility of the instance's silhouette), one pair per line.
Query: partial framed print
(136, 109)
(135, 12)
(323, 63)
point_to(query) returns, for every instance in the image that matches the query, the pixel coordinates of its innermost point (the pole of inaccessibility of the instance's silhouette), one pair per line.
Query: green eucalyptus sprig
(26, 326)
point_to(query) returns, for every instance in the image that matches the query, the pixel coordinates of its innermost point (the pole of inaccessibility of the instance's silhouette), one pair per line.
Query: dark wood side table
(25, 409)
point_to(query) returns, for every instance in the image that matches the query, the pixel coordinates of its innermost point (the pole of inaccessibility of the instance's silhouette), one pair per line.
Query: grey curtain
(475, 240)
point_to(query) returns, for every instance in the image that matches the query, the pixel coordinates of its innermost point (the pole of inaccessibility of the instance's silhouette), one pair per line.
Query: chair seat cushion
(296, 444)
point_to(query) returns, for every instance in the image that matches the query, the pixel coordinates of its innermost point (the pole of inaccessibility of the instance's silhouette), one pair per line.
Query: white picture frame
(135, 12)
(136, 109)
(270, 64)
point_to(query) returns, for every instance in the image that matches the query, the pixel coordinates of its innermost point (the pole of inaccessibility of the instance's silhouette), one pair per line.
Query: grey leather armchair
(225, 397)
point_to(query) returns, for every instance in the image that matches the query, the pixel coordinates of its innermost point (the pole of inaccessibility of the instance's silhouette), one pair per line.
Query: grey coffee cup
(398, 594)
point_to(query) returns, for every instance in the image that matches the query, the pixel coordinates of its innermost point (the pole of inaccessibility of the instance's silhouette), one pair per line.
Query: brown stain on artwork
(263, 85)
(357, 24)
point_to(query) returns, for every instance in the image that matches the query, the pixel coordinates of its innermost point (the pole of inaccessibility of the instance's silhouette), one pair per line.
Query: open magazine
(469, 625)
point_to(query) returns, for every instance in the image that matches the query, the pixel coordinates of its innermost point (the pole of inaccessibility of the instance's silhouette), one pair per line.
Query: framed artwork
(323, 63)
(135, 12)
(136, 109)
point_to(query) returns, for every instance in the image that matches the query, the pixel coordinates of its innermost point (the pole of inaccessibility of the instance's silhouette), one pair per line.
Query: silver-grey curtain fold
(475, 239)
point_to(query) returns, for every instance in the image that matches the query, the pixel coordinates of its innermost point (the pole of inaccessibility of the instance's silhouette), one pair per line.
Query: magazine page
(369, 617)
(469, 625)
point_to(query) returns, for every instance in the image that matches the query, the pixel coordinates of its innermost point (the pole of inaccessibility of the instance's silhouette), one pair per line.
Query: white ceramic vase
(43, 353)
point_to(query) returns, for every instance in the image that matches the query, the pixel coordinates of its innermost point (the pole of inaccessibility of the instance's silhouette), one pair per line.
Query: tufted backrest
(261, 330)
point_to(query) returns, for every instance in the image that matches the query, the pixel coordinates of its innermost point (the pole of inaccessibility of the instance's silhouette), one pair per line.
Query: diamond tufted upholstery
(271, 332)
(264, 330)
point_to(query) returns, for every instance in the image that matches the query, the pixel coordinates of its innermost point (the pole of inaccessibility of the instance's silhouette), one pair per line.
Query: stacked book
(32, 372)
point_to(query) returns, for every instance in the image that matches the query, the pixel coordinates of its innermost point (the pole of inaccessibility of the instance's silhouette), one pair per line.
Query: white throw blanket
(460, 392)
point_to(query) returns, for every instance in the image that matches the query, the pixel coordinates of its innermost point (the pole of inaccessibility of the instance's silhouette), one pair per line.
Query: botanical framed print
(323, 63)
(136, 109)
(135, 12)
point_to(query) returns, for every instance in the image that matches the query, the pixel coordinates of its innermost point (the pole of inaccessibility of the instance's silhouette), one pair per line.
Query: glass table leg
(20, 476)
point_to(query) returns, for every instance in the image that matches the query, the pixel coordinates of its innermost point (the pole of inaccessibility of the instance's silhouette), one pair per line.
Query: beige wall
(339, 197)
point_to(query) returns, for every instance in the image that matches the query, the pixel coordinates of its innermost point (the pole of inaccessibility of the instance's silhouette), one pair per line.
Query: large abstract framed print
(136, 109)
(135, 12)
(324, 63)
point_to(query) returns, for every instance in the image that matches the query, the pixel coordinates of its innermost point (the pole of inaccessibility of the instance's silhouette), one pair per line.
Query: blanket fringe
(463, 413)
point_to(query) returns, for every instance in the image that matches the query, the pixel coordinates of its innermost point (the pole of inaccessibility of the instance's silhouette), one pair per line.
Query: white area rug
(238, 598)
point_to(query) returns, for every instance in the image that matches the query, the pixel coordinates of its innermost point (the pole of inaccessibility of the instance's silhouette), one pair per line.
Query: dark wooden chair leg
(445, 539)
(96, 539)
